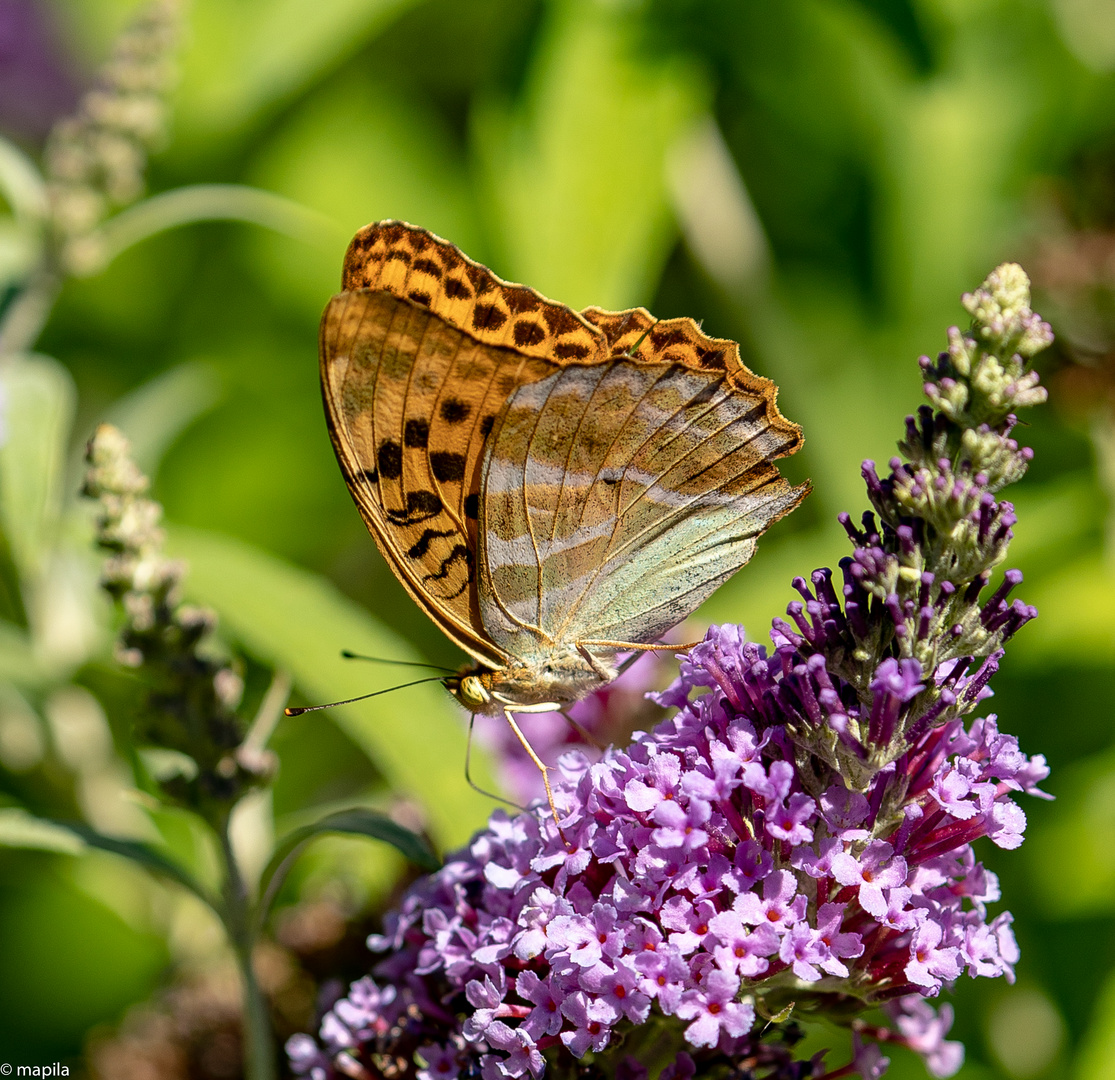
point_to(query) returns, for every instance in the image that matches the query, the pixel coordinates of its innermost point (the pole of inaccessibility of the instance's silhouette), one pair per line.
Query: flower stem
(259, 1046)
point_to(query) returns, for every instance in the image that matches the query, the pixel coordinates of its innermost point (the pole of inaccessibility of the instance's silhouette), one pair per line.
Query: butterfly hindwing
(617, 498)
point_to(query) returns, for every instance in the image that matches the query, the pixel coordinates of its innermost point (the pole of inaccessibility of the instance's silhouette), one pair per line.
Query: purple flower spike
(875, 870)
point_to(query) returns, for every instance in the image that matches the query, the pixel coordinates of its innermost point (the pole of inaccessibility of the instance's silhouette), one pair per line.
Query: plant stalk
(259, 1045)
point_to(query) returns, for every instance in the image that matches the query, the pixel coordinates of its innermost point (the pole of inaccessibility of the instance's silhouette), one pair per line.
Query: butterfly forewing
(407, 397)
(410, 263)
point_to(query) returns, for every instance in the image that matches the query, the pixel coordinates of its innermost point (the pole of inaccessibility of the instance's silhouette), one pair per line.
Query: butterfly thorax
(544, 684)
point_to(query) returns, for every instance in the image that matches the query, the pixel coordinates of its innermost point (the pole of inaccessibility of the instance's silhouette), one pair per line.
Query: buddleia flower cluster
(794, 841)
(192, 695)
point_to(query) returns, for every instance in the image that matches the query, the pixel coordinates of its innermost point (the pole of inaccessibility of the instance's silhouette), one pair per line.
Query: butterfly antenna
(468, 777)
(362, 697)
(398, 663)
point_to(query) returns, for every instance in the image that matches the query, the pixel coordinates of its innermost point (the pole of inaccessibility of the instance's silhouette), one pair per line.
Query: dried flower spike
(192, 697)
(95, 160)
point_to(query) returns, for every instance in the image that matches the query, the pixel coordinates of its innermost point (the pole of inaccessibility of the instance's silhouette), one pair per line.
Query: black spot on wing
(419, 296)
(389, 458)
(472, 505)
(520, 300)
(488, 317)
(447, 466)
(422, 544)
(528, 333)
(459, 553)
(427, 266)
(421, 506)
(481, 279)
(661, 338)
(561, 320)
(370, 475)
(456, 289)
(486, 425)
(454, 411)
(416, 433)
(570, 350)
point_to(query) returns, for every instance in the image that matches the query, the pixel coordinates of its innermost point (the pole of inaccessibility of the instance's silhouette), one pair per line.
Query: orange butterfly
(552, 487)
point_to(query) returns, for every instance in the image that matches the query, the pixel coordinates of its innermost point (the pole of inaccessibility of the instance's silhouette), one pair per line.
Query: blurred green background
(819, 179)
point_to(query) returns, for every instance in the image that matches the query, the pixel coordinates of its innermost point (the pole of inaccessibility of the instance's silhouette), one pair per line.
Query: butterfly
(552, 487)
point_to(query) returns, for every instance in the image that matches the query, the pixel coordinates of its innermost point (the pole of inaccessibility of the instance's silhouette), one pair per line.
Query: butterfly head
(468, 687)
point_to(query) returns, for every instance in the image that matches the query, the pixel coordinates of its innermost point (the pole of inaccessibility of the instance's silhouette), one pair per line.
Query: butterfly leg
(468, 776)
(626, 646)
(542, 768)
(606, 675)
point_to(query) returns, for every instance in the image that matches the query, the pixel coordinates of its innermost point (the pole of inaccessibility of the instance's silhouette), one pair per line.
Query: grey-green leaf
(358, 821)
(38, 405)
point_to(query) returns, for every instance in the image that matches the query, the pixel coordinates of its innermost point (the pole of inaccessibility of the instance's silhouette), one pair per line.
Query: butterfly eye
(471, 693)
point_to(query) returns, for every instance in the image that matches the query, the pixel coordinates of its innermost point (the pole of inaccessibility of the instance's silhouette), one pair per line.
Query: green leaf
(38, 402)
(300, 622)
(140, 853)
(203, 202)
(21, 232)
(246, 57)
(18, 828)
(358, 821)
(21, 183)
(576, 173)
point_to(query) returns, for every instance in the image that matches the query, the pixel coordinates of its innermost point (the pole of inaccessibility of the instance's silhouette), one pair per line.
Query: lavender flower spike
(795, 839)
